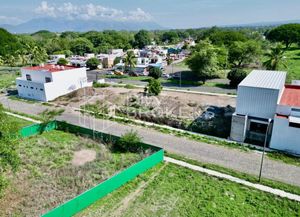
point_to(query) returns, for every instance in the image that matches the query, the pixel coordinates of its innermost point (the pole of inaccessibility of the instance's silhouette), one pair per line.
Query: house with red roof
(267, 112)
(47, 82)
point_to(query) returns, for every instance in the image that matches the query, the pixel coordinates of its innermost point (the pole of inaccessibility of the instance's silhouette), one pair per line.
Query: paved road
(247, 162)
(94, 74)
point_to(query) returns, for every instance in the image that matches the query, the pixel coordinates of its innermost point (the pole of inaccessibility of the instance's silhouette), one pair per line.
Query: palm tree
(23, 56)
(38, 55)
(275, 58)
(10, 60)
(1, 61)
(129, 61)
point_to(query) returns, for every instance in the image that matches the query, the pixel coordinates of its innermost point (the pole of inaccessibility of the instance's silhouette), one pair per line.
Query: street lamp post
(264, 150)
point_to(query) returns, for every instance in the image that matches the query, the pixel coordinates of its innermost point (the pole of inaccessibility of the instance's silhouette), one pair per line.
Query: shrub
(92, 63)
(236, 76)
(155, 72)
(101, 85)
(129, 86)
(130, 141)
(154, 87)
(62, 62)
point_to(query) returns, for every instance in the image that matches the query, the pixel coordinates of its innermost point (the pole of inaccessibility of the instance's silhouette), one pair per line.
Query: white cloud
(90, 12)
(45, 9)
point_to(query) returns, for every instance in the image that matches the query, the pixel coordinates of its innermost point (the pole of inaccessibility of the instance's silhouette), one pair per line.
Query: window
(20, 85)
(31, 88)
(258, 127)
(295, 125)
(47, 79)
(41, 89)
(28, 77)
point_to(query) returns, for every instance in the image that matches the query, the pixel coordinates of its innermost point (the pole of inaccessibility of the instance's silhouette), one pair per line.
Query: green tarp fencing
(90, 196)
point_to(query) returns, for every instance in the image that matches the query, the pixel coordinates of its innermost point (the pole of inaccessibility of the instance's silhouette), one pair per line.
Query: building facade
(268, 111)
(47, 82)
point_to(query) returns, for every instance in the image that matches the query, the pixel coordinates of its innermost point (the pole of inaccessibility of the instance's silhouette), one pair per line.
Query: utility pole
(264, 150)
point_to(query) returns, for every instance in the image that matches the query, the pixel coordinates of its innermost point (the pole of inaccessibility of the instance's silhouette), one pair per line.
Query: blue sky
(168, 13)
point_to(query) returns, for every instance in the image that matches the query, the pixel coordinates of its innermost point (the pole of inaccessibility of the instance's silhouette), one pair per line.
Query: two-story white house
(47, 82)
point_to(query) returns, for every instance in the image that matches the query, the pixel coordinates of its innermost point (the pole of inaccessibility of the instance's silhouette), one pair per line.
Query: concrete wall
(257, 102)
(36, 76)
(285, 138)
(31, 90)
(238, 127)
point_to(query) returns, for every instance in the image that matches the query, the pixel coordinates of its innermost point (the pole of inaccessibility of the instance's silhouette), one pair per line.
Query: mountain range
(61, 25)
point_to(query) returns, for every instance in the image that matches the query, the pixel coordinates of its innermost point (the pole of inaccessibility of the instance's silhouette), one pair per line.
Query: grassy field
(56, 166)
(170, 190)
(8, 77)
(293, 64)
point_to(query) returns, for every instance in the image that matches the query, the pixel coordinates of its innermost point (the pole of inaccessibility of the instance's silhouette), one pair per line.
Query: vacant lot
(179, 110)
(170, 190)
(57, 166)
(8, 77)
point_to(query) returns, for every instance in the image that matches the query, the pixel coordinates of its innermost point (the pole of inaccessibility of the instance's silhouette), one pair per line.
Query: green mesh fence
(90, 196)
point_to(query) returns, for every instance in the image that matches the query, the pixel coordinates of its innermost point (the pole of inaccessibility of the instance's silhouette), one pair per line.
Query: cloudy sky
(167, 13)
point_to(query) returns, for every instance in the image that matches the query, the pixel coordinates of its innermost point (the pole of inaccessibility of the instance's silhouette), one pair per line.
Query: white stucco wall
(36, 76)
(285, 138)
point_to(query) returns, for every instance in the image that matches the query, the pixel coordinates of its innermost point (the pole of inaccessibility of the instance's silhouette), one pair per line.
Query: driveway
(247, 162)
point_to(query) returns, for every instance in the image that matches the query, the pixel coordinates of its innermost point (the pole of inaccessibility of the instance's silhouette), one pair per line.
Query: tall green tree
(275, 58)
(204, 61)
(130, 61)
(241, 53)
(80, 46)
(286, 34)
(142, 38)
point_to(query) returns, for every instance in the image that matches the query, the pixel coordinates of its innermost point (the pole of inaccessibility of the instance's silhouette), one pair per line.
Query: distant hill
(260, 24)
(61, 25)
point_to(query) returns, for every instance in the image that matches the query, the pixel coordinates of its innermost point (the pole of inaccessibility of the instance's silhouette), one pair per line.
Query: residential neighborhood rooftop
(50, 68)
(265, 79)
(291, 96)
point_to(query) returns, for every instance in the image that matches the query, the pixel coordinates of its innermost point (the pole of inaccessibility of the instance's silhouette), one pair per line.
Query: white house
(47, 82)
(267, 110)
(286, 129)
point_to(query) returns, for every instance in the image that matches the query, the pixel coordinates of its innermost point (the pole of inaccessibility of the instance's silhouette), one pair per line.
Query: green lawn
(170, 190)
(8, 77)
(293, 64)
(19, 123)
(49, 174)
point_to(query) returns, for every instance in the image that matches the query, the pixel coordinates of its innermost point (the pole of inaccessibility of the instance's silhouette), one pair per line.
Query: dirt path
(129, 199)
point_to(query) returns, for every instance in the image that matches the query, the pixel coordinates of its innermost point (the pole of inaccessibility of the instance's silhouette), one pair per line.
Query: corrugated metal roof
(265, 79)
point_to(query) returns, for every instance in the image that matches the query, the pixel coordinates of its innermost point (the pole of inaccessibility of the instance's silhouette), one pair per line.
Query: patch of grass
(293, 63)
(8, 77)
(250, 178)
(129, 86)
(178, 191)
(19, 123)
(100, 85)
(48, 177)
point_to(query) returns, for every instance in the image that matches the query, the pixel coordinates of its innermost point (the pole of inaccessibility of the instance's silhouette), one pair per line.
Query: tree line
(222, 49)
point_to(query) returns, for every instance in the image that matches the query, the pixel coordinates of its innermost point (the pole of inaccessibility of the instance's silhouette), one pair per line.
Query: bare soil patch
(83, 156)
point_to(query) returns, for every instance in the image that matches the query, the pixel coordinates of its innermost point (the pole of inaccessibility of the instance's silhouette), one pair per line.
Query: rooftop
(50, 68)
(291, 96)
(265, 79)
